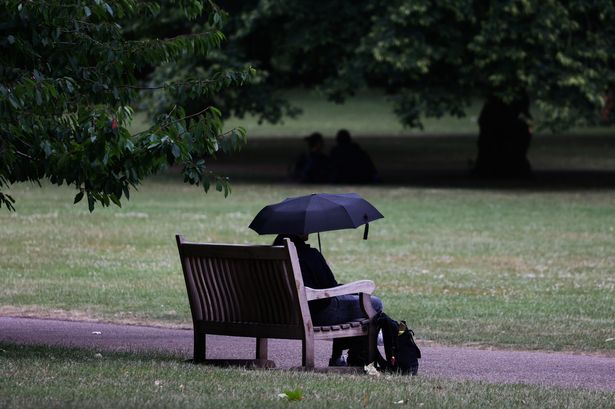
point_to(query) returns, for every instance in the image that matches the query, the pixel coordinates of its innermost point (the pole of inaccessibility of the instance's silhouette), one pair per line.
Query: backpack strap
(411, 336)
(389, 328)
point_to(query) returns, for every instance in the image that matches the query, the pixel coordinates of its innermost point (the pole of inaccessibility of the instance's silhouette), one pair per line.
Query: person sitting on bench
(317, 274)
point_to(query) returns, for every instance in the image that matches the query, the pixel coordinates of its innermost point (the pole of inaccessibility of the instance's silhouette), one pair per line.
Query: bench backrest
(245, 289)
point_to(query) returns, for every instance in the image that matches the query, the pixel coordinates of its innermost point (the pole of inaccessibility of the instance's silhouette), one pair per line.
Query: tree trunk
(503, 140)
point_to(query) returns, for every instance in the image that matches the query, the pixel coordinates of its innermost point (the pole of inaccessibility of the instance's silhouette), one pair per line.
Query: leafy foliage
(434, 57)
(68, 84)
(260, 98)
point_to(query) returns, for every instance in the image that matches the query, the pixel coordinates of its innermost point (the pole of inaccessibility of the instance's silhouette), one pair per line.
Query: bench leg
(307, 351)
(199, 347)
(261, 348)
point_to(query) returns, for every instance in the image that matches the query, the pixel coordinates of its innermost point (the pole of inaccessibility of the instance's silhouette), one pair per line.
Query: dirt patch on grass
(42, 312)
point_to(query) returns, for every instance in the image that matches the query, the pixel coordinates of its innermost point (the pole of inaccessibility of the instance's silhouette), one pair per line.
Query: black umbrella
(315, 213)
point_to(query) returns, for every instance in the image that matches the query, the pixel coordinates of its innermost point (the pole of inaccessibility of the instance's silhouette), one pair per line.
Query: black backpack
(402, 353)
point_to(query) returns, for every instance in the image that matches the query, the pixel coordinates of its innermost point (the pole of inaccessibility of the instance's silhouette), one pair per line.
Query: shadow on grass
(37, 351)
(560, 162)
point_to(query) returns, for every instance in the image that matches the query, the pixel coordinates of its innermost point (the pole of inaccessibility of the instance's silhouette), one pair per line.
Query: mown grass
(509, 268)
(368, 113)
(33, 377)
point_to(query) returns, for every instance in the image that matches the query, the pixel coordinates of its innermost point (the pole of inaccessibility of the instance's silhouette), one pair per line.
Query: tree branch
(158, 127)
(23, 155)
(157, 87)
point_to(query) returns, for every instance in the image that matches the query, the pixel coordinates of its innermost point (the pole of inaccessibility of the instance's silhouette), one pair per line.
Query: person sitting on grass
(314, 165)
(317, 274)
(351, 164)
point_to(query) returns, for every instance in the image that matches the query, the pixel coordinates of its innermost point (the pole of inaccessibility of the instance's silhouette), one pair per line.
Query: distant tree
(70, 78)
(259, 99)
(435, 57)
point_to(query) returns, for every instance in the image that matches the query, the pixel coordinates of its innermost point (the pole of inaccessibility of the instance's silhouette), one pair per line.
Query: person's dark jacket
(352, 164)
(314, 270)
(312, 167)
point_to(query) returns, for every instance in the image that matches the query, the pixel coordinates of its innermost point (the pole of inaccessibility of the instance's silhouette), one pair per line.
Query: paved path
(548, 369)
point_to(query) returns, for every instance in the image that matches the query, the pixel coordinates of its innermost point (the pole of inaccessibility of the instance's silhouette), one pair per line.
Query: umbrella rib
(305, 219)
(349, 216)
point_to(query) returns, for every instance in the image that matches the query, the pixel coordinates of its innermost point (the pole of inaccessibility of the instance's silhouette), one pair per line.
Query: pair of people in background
(346, 163)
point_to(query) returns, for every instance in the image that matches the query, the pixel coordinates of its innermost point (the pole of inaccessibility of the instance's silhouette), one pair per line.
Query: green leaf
(7, 200)
(91, 202)
(115, 200)
(126, 191)
(176, 151)
(78, 197)
(14, 101)
(46, 147)
(292, 395)
(216, 111)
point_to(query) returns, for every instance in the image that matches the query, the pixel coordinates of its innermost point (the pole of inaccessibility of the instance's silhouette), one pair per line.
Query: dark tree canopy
(259, 98)
(70, 78)
(436, 57)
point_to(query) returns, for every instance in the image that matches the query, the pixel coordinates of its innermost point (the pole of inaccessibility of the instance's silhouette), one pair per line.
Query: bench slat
(235, 251)
(339, 327)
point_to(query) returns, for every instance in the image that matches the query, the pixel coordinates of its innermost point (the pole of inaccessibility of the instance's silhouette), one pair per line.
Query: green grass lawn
(512, 269)
(35, 377)
(369, 113)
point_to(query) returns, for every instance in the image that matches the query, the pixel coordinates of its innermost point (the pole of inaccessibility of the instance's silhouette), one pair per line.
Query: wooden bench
(257, 291)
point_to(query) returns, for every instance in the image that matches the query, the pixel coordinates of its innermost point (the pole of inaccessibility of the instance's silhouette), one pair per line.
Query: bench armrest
(361, 286)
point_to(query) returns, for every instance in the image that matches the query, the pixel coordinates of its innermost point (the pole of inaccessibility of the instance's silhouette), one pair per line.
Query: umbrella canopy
(315, 213)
